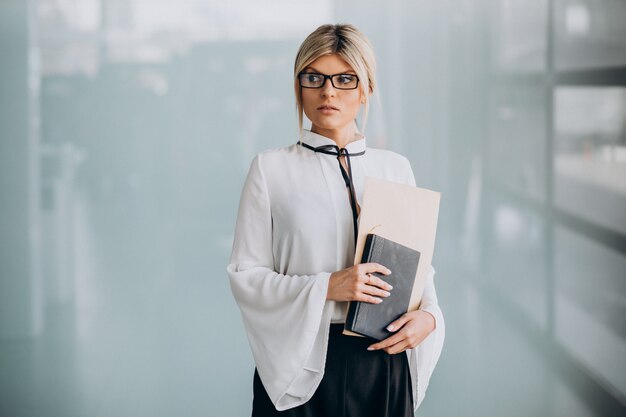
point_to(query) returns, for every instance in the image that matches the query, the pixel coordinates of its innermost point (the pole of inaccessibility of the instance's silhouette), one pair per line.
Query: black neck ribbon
(347, 176)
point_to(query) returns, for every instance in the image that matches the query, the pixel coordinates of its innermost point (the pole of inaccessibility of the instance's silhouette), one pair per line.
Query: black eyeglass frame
(328, 77)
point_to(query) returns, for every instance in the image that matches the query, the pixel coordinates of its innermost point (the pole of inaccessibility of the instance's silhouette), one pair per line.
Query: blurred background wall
(126, 131)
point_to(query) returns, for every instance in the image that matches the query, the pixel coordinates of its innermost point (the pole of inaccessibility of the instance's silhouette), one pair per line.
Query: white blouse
(294, 228)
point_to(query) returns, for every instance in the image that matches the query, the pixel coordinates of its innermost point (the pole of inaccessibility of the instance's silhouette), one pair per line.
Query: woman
(291, 266)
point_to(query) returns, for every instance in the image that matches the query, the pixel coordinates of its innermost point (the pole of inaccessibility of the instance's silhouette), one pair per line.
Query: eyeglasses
(339, 81)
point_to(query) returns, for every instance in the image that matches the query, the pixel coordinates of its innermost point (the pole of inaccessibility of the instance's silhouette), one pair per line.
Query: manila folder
(405, 214)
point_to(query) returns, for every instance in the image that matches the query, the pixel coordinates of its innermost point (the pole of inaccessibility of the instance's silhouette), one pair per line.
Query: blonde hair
(351, 45)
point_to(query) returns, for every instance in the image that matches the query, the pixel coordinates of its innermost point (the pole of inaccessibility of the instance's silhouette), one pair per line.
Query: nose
(327, 88)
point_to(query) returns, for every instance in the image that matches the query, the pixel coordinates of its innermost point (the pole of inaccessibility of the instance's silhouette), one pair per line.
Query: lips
(327, 107)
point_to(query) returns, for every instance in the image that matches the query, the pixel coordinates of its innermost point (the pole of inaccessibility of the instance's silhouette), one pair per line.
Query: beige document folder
(405, 214)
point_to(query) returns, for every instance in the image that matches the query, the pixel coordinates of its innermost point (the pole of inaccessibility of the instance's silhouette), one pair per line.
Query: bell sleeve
(424, 357)
(286, 317)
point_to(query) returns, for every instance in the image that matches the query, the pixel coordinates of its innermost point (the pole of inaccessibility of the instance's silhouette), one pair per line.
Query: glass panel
(520, 41)
(168, 101)
(589, 34)
(590, 154)
(516, 256)
(516, 150)
(590, 305)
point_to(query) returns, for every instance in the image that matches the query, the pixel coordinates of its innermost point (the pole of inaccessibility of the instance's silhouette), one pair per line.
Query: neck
(341, 136)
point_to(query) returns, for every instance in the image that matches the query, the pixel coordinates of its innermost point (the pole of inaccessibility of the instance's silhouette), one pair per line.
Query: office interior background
(127, 128)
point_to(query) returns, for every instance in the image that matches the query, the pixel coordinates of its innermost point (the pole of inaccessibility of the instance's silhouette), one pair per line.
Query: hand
(411, 330)
(358, 283)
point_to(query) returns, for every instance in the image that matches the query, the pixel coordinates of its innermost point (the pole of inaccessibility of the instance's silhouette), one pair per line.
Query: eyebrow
(346, 71)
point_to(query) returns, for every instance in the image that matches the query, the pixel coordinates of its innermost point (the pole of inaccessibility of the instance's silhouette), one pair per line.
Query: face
(345, 104)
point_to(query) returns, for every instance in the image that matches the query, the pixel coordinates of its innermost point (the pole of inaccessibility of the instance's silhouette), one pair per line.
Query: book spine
(353, 309)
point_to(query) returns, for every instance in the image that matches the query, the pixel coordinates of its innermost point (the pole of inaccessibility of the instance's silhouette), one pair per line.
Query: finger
(376, 281)
(390, 341)
(371, 267)
(368, 298)
(375, 291)
(398, 323)
(398, 347)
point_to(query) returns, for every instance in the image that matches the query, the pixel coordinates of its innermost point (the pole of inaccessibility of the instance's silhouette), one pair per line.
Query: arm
(257, 287)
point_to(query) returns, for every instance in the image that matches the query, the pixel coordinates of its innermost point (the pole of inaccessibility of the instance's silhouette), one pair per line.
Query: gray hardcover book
(372, 319)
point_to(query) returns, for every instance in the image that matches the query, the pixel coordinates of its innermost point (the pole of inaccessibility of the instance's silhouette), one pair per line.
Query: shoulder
(272, 156)
(279, 165)
(277, 155)
(390, 165)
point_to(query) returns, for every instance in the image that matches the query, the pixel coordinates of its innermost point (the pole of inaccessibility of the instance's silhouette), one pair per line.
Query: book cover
(369, 319)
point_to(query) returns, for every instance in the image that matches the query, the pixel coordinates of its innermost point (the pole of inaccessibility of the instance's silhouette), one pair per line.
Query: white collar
(315, 140)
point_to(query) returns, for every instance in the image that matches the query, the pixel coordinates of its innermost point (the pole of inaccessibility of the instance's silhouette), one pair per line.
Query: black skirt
(356, 383)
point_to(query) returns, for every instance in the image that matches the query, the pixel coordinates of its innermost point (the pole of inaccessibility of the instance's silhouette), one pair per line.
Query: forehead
(330, 64)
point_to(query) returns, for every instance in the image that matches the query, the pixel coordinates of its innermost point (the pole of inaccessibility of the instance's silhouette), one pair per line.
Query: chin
(330, 125)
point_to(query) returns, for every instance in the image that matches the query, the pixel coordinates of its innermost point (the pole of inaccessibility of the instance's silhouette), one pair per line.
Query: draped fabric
(294, 228)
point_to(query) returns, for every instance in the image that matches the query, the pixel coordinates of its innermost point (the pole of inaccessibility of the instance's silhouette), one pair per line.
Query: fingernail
(390, 287)
(390, 327)
(379, 300)
(387, 294)
(388, 271)
(370, 348)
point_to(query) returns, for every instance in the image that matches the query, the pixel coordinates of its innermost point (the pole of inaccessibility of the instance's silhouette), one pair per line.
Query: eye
(313, 78)
(346, 78)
